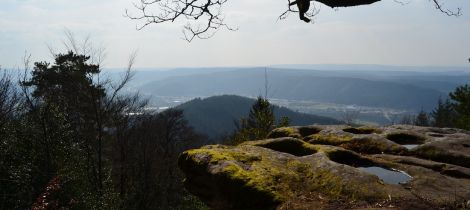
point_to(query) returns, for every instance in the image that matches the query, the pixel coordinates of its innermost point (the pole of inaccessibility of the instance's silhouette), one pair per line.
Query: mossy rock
(443, 168)
(254, 177)
(288, 145)
(295, 131)
(362, 130)
(285, 132)
(309, 130)
(453, 151)
(222, 179)
(329, 138)
(319, 171)
(373, 145)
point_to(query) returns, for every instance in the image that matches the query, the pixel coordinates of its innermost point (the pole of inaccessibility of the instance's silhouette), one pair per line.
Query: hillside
(401, 90)
(216, 115)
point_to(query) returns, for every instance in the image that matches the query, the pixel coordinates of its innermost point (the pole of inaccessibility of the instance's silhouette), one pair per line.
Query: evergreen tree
(260, 122)
(283, 121)
(261, 118)
(422, 119)
(444, 114)
(72, 115)
(461, 99)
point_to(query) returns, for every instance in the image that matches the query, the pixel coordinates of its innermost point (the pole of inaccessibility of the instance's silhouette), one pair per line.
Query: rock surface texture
(335, 167)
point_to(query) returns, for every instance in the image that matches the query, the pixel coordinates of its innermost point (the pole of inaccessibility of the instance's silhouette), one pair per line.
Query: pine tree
(260, 122)
(422, 119)
(461, 99)
(72, 111)
(261, 118)
(444, 114)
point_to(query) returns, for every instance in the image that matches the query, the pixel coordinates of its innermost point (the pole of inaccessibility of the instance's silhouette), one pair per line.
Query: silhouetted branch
(310, 13)
(204, 17)
(448, 12)
(348, 3)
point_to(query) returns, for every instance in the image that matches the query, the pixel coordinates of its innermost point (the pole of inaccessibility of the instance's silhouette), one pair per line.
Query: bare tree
(350, 116)
(407, 119)
(205, 17)
(9, 97)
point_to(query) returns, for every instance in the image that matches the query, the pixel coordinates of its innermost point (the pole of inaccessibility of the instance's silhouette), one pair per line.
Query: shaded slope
(216, 116)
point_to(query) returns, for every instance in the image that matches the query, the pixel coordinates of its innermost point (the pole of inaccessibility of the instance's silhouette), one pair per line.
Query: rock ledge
(334, 167)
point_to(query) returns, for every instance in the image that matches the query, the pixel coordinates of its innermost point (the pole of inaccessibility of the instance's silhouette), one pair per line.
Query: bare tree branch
(344, 3)
(204, 17)
(305, 16)
(125, 78)
(448, 12)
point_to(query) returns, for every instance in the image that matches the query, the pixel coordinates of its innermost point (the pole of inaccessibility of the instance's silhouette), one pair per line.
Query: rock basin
(410, 146)
(389, 176)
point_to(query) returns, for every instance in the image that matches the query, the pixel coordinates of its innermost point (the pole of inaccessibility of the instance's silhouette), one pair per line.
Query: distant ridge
(382, 90)
(216, 115)
(374, 67)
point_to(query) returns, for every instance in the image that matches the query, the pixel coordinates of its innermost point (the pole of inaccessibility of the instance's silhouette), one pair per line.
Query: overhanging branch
(346, 3)
(204, 17)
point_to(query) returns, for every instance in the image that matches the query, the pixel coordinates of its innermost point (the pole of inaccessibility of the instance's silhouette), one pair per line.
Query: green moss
(369, 145)
(235, 181)
(215, 155)
(249, 177)
(299, 167)
(253, 180)
(285, 132)
(329, 139)
(330, 184)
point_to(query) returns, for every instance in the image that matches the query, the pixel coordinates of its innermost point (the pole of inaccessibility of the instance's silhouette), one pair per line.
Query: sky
(387, 33)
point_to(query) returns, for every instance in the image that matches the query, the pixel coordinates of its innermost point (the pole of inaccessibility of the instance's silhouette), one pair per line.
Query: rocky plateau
(335, 167)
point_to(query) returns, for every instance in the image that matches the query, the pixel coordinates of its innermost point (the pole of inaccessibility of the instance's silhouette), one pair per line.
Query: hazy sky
(384, 33)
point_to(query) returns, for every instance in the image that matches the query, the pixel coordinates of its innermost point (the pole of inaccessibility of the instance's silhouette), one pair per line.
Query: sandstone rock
(327, 167)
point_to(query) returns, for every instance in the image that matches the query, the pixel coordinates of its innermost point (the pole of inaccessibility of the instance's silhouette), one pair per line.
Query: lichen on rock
(317, 167)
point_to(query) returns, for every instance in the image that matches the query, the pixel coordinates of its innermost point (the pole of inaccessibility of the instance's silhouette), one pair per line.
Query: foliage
(260, 119)
(145, 161)
(260, 122)
(444, 114)
(461, 99)
(73, 141)
(422, 119)
(68, 112)
(284, 121)
(214, 116)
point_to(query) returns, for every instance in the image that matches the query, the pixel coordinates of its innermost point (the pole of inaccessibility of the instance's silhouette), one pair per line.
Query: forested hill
(400, 90)
(216, 115)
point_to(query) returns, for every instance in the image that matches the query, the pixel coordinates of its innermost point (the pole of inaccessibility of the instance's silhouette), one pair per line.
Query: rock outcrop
(335, 167)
